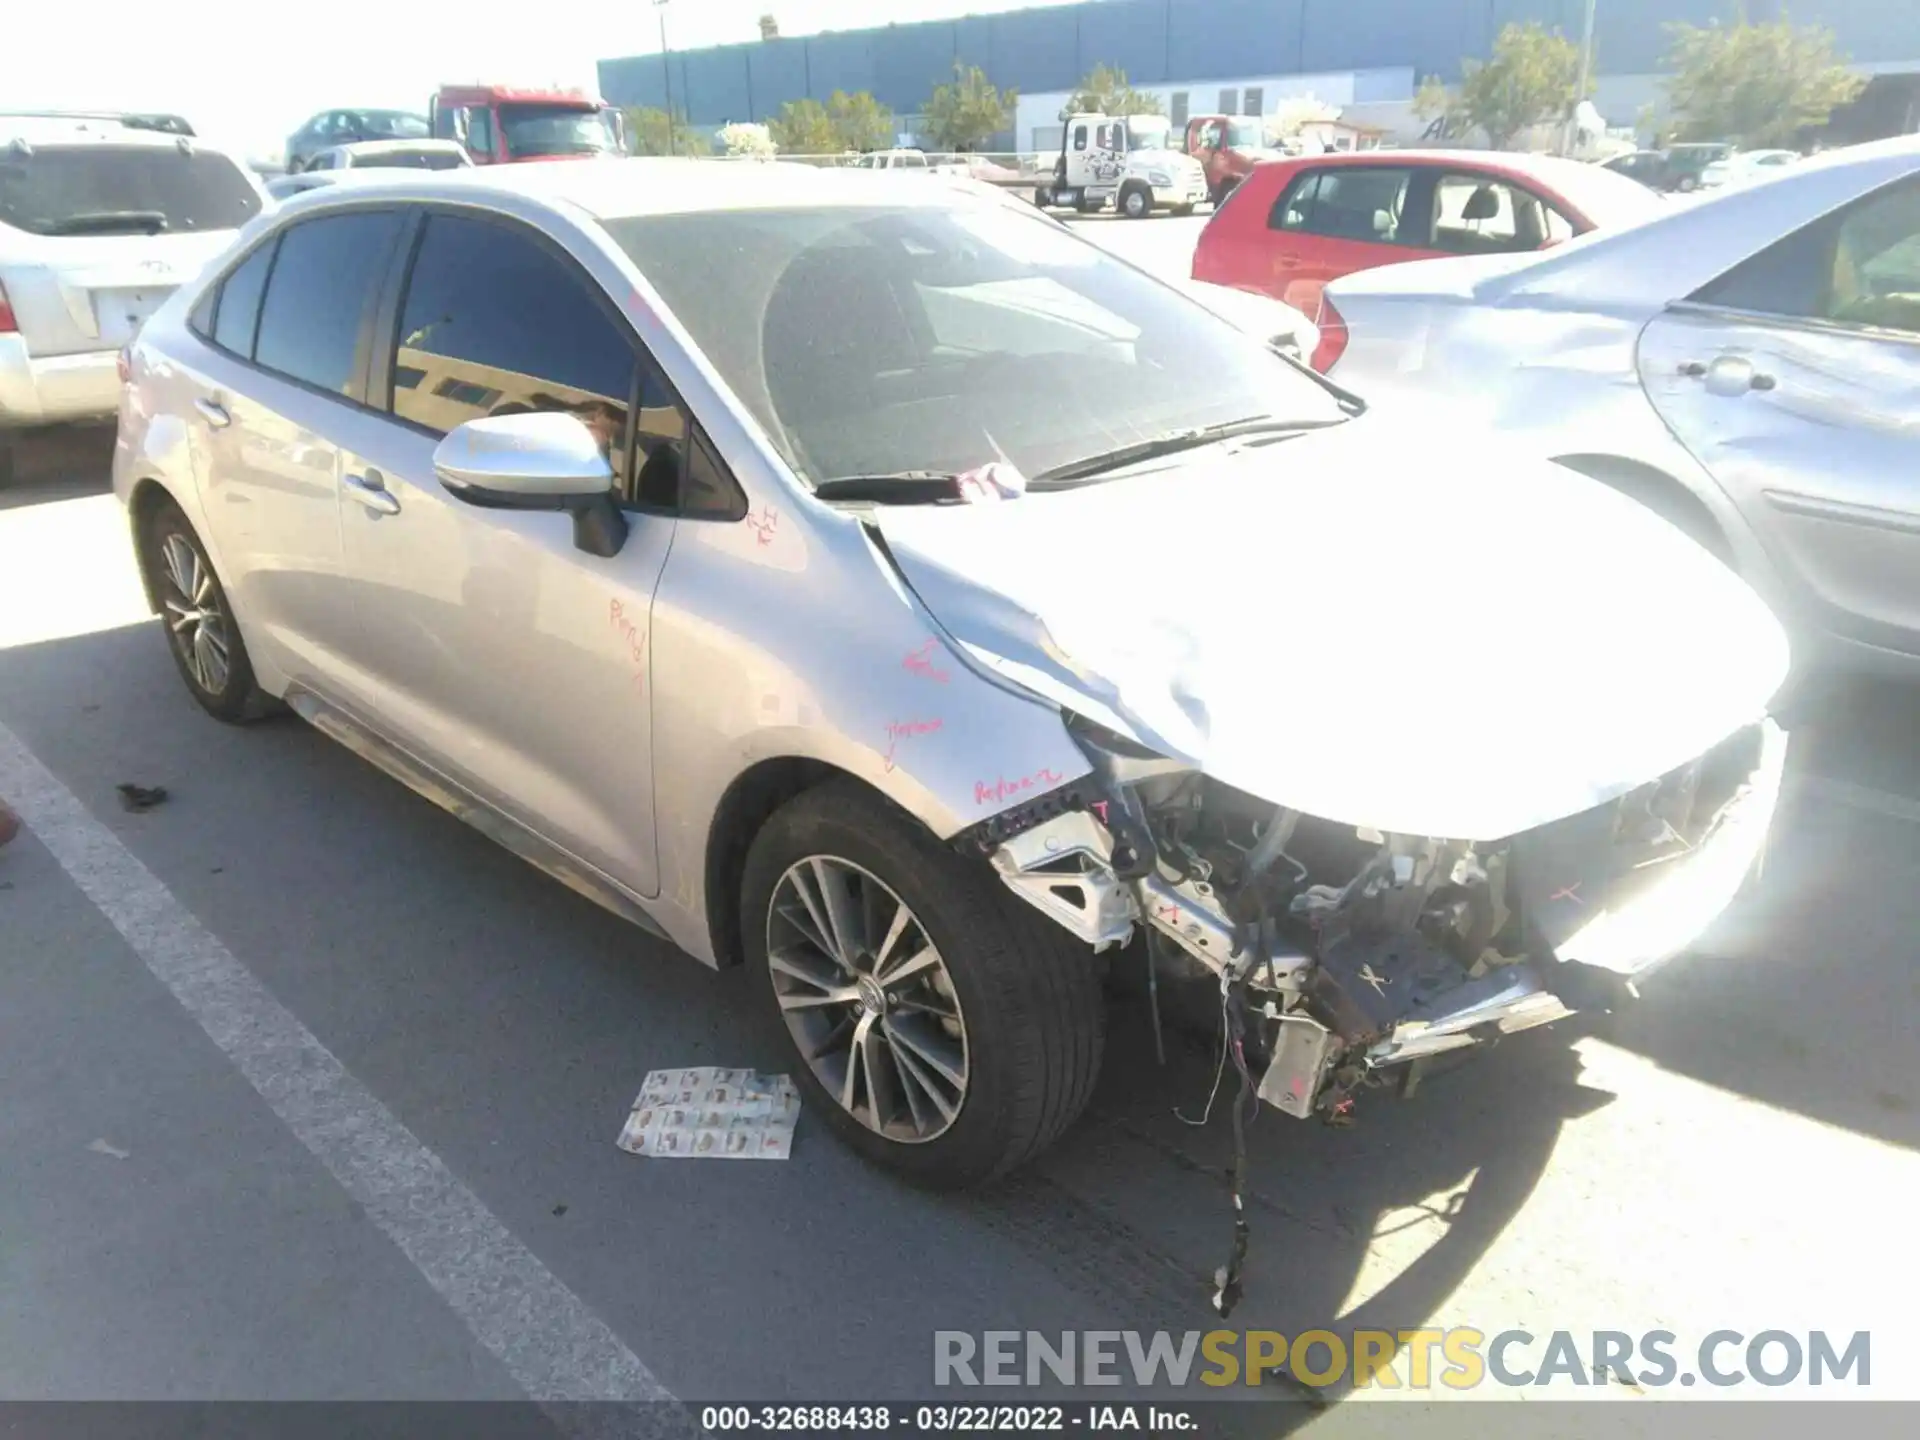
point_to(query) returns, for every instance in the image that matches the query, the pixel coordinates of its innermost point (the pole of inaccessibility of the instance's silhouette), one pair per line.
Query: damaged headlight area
(1352, 952)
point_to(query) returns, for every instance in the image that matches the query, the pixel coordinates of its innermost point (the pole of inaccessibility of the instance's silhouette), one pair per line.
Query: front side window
(1860, 266)
(480, 131)
(322, 282)
(495, 323)
(122, 190)
(871, 340)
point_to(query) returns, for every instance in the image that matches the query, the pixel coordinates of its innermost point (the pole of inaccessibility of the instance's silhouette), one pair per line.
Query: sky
(238, 73)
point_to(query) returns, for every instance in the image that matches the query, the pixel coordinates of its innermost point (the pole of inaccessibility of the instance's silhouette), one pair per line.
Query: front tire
(1136, 203)
(941, 1030)
(202, 635)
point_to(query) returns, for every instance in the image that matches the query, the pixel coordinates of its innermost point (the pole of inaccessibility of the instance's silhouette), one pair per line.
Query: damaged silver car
(888, 589)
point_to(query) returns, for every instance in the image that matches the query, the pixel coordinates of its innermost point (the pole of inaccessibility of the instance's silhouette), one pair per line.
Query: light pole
(1586, 68)
(666, 70)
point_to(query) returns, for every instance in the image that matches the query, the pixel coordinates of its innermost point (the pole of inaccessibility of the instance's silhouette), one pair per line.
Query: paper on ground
(711, 1113)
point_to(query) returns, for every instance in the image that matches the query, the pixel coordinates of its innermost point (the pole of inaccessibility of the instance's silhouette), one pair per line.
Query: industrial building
(1365, 56)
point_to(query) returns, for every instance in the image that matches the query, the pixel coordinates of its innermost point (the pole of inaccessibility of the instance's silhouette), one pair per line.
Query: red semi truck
(503, 124)
(1227, 147)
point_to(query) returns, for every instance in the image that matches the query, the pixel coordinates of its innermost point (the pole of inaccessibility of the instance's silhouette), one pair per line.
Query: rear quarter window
(122, 189)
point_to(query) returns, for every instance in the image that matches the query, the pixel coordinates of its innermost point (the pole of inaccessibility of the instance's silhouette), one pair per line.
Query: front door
(491, 648)
(1795, 380)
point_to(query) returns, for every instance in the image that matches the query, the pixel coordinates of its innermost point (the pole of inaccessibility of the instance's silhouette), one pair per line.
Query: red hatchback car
(1294, 225)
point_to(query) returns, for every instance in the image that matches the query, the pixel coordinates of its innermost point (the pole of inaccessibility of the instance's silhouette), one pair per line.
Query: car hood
(1414, 633)
(1162, 159)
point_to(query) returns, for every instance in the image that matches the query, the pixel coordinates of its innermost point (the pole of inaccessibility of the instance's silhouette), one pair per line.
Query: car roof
(1544, 168)
(388, 147)
(46, 130)
(616, 188)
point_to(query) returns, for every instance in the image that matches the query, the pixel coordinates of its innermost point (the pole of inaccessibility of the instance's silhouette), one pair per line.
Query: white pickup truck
(1126, 160)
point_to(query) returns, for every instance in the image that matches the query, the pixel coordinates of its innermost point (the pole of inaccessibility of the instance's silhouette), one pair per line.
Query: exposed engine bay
(1357, 950)
(1343, 954)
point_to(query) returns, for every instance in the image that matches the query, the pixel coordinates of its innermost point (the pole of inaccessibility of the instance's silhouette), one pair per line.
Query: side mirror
(537, 460)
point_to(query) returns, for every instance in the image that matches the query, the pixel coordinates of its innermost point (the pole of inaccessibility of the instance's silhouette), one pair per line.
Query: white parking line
(555, 1348)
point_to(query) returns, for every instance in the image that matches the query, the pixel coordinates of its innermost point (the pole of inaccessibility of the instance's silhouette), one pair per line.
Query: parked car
(1649, 167)
(1745, 166)
(426, 154)
(629, 511)
(99, 222)
(1748, 366)
(346, 127)
(1685, 165)
(1293, 225)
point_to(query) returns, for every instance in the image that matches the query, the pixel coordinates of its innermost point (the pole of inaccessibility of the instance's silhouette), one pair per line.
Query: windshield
(110, 189)
(1147, 133)
(1246, 135)
(555, 130)
(391, 125)
(870, 341)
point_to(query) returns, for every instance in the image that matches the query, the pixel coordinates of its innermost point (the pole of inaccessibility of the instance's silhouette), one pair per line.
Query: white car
(392, 155)
(99, 223)
(1748, 366)
(1745, 166)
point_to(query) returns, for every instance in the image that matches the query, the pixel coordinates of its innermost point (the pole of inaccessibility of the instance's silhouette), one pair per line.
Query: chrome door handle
(213, 412)
(371, 491)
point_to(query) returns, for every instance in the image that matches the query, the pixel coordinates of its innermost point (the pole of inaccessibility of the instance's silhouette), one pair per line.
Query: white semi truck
(1127, 161)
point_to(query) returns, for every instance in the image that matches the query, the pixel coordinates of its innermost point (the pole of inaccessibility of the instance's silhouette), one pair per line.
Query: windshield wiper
(1171, 443)
(901, 487)
(105, 222)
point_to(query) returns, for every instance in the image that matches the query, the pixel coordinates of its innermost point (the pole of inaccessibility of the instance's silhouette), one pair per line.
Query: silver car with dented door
(882, 586)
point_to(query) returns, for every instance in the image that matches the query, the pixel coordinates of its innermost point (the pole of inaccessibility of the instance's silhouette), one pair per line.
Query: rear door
(1332, 220)
(489, 645)
(94, 237)
(1479, 213)
(1795, 379)
(281, 383)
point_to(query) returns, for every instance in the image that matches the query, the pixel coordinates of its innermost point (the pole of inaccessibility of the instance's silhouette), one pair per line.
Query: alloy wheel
(867, 999)
(196, 623)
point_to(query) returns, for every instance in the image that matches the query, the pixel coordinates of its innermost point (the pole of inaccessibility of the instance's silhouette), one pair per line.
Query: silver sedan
(1748, 366)
(878, 584)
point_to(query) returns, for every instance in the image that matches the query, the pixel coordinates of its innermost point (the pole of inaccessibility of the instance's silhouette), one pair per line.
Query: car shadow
(61, 462)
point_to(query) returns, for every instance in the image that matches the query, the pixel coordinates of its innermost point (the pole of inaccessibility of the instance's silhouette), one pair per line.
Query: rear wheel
(941, 1031)
(202, 636)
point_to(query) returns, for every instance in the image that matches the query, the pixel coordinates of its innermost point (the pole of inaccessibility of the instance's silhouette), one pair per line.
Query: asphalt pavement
(307, 1091)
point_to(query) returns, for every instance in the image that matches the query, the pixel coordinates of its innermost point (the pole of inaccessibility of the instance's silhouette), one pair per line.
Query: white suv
(99, 223)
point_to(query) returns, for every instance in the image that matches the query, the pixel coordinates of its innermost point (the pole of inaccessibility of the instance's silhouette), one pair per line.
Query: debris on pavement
(104, 1147)
(711, 1113)
(139, 797)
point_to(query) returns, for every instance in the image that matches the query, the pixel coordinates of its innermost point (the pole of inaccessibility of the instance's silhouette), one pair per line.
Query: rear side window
(1859, 266)
(322, 283)
(122, 190)
(238, 312)
(1361, 203)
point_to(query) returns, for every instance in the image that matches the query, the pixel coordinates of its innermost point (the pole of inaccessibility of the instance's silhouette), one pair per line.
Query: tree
(744, 141)
(1756, 85)
(769, 28)
(969, 112)
(1533, 76)
(651, 133)
(1296, 112)
(859, 121)
(1105, 91)
(802, 128)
